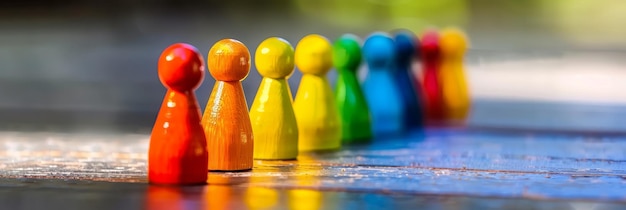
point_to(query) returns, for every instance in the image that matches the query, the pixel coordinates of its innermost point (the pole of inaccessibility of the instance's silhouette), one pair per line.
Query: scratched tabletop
(531, 160)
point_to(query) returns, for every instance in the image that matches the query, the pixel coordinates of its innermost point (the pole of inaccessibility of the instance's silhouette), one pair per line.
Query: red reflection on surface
(163, 197)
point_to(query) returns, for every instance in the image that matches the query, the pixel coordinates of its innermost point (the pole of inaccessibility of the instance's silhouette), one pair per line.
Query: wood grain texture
(225, 120)
(459, 162)
(228, 129)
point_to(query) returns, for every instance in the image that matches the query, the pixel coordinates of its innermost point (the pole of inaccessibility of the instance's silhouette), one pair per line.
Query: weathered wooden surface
(59, 194)
(466, 168)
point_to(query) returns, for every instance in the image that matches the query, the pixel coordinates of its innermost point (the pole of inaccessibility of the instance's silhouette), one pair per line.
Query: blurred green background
(82, 64)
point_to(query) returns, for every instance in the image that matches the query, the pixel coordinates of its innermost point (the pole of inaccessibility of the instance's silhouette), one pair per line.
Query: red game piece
(178, 147)
(431, 84)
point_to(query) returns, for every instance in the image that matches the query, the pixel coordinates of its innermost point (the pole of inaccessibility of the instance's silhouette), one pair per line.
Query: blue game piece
(406, 43)
(381, 91)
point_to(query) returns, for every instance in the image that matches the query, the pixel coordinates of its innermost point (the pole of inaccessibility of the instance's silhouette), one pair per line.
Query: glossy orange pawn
(178, 153)
(226, 121)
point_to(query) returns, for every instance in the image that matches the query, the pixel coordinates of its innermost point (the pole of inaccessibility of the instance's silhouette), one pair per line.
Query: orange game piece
(178, 153)
(226, 121)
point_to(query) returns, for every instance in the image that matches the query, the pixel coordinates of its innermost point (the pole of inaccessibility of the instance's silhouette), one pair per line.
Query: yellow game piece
(272, 115)
(316, 112)
(306, 199)
(456, 98)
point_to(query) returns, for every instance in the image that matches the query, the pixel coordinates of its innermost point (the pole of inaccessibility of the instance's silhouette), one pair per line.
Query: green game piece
(353, 109)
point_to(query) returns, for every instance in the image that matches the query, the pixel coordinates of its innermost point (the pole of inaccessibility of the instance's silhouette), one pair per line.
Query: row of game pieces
(227, 137)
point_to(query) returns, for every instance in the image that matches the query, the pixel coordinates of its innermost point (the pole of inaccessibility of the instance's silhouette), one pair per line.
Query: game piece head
(453, 42)
(430, 44)
(347, 52)
(274, 58)
(405, 45)
(314, 55)
(181, 67)
(379, 51)
(229, 60)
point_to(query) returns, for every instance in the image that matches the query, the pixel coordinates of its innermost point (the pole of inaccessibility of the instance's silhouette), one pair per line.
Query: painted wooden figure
(431, 84)
(178, 148)
(356, 125)
(454, 86)
(381, 90)
(225, 119)
(406, 42)
(319, 126)
(273, 119)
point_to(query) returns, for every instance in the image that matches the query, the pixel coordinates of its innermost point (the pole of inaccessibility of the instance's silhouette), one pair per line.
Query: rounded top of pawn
(406, 43)
(274, 58)
(347, 52)
(181, 67)
(229, 60)
(379, 51)
(430, 44)
(314, 55)
(453, 42)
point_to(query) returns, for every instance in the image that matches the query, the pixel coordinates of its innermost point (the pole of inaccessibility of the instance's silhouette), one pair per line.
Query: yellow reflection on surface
(306, 176)
(261, 197)
(300, 179)
(304, 199)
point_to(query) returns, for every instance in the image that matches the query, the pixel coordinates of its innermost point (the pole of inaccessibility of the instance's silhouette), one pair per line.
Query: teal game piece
(353, 110)
(406, 43)
(381, 91)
